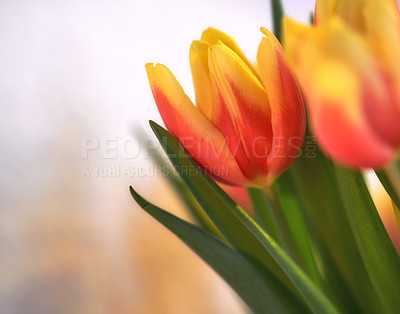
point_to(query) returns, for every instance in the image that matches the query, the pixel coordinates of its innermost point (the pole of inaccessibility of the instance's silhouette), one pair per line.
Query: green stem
(289, 226)
(390, 179)
(380, 257)
(393, 173)
(278, 211)
(284, 233)
(282, 227)
(277, 14)
(262, 213)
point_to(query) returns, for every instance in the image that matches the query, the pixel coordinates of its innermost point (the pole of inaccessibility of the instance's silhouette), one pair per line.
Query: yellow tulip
(248, 120)
(348, 67)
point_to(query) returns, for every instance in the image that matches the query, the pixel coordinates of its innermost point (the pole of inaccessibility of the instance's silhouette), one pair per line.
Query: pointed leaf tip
(257, 289)
(156, 129)
(152, 123)
(140, 200)
(133, 192)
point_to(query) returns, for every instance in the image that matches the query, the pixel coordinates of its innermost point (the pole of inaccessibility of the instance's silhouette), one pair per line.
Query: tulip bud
(247, 121)
(348, 67)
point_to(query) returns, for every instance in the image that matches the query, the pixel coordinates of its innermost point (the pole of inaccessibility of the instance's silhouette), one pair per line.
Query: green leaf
(390, 179)
(217, 204)
(276, 210)
(262, 214)
(377, 250)
(295, 213)
(183, 192)
(258, 291)
(238, 228)
(285, 235)
(277, 15)
(195, 209)
(316, 188)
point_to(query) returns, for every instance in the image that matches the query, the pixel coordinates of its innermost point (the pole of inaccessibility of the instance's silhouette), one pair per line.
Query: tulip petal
(287, 108)
(351, 12)
(301, 49)
(197, 134)
(241, 110)
(323, 9)
(379, 96)
(383, 30)
(338, 118)
(333, 39)
(198, 56)
(214, 36)
(306, 46)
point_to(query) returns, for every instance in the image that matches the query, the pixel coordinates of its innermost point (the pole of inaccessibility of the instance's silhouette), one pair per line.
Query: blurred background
(75, 105)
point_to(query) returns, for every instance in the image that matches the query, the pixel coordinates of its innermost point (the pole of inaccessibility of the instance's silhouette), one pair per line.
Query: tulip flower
(248, 123)
(348, 67)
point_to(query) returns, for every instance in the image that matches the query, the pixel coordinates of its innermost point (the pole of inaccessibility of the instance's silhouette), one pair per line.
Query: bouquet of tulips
(313, 241)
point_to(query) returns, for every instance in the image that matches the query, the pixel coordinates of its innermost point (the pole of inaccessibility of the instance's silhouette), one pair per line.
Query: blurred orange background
(73, 95)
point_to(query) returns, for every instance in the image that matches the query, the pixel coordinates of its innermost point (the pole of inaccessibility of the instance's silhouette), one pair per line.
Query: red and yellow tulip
(248, 119)
(348, 66)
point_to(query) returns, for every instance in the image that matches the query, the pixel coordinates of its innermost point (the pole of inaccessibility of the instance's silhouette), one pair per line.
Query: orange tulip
(248, 124)
(348, 66)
